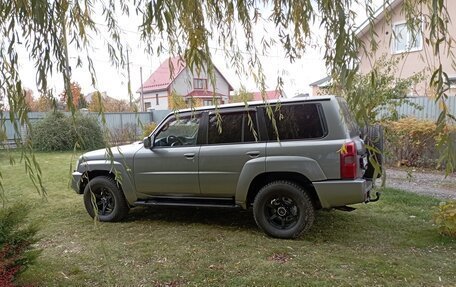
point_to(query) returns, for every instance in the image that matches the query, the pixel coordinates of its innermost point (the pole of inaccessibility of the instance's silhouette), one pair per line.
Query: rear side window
(352, 125)
(297, 121)
(232, 128)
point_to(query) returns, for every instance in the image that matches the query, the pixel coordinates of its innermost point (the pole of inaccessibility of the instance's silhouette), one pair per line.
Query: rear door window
(233, 127)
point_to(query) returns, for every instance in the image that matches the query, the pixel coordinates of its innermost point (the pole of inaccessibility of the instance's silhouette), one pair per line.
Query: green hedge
(58, 132)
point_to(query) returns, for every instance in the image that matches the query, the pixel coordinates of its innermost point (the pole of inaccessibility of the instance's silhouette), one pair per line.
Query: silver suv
(283, 159)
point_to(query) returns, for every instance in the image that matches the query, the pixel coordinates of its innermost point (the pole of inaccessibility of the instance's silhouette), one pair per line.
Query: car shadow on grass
(328, 225)
(194, 215)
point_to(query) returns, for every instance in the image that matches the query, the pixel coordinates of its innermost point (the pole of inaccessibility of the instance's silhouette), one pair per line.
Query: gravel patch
(422, 182)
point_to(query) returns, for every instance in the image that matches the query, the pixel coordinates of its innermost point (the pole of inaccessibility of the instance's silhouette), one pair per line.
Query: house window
(452, 82)
(157, 102)
(406, 40)
(207, 102)
(200, 84)
(146, 106)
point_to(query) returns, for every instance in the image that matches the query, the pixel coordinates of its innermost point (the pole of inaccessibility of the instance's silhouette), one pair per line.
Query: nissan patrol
(283, 159)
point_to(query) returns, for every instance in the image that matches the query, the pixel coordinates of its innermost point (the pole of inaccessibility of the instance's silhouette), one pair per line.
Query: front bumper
(335, 193)
(76, 181)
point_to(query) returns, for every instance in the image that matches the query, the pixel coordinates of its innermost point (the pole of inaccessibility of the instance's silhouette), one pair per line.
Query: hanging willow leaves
(47, 30)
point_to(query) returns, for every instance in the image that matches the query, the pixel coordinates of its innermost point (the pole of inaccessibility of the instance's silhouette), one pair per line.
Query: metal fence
(427, 108)
(112, 121)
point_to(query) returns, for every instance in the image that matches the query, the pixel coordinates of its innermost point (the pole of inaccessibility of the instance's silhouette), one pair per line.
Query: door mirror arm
(149, 141)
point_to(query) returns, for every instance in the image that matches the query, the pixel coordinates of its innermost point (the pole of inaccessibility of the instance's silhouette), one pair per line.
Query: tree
(29, 100)
(82, 103)
(46, 30)
(178, 102)
(377, 94)
(2, 105)
(45, 103)
(241, 96)
(73, 99)
(114, 105)
(103, 103)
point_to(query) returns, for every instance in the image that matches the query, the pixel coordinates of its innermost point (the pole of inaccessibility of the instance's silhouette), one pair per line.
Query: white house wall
(152, 99)
(413, 62)
(183, 84)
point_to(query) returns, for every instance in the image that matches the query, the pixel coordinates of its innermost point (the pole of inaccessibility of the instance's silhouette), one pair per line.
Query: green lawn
(389, 243)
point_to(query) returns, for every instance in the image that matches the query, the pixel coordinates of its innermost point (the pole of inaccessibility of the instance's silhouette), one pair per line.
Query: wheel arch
(263, 179)
(91, 174)
(114, 170)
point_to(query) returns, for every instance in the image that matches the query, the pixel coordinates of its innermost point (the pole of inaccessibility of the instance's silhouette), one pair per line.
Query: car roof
(260, 103)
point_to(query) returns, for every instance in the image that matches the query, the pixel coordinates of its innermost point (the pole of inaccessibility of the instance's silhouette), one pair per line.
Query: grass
(389, 243)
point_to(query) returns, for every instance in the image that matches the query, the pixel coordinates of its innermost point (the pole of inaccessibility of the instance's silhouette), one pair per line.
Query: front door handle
(253, 153)
(190, 155)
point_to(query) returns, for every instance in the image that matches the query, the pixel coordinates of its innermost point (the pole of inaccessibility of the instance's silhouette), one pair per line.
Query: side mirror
(148, 142)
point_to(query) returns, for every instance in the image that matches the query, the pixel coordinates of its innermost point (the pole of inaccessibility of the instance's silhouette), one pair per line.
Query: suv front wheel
(283, 209)
(104, 199)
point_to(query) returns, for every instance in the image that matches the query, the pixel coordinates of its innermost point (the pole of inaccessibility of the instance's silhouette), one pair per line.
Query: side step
(188, 201)
(345, 208)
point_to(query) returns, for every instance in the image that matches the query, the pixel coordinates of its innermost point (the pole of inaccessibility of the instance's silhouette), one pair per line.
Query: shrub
(16, 240)
(58, 132)
(412, 142)
(149, 128)
(445, 218)
(86, 132)
(53, 133)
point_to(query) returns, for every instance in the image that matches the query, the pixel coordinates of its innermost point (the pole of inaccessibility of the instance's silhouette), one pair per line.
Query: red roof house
(173, 75)
(268, 95)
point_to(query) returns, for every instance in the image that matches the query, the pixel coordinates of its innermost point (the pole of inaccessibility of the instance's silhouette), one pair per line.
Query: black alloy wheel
(104, 199)
(283, 209)
(281, 212)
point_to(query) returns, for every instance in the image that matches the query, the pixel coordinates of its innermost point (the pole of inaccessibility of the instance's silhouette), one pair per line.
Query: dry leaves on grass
(280, 257)
(172, 283)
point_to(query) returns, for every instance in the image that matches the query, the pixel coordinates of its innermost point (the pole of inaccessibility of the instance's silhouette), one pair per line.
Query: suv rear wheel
(103, 197)
(283, 209)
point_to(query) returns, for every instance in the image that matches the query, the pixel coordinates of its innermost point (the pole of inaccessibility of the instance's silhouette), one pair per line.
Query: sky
(297, 75)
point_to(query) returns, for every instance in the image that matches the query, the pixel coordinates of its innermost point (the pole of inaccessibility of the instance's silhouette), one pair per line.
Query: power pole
(142, 91)
(129, 81)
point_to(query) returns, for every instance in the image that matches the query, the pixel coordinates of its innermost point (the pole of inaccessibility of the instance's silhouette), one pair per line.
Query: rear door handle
(190, 155)
(253, 153)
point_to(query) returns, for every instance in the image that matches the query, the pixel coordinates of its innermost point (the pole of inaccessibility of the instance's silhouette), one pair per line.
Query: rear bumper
(76, 181)
(334, 193)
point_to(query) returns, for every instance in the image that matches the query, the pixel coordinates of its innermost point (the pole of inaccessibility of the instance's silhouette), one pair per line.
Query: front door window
(179, 131)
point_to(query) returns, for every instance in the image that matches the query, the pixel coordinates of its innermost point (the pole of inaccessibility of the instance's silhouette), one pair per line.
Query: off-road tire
(275, 197)
(374, 138)
(105, 187)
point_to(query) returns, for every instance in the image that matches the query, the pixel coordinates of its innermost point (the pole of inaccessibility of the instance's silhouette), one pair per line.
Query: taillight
(348, 161)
